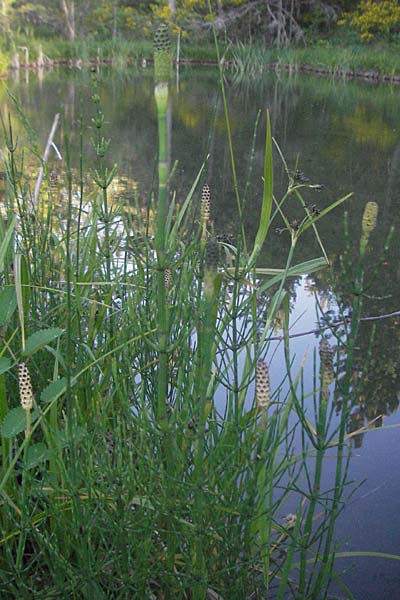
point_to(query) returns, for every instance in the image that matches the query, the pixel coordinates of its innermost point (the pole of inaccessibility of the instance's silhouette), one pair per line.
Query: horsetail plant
(162, 70)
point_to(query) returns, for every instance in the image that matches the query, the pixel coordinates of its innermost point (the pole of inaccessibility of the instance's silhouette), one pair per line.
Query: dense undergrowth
(143, 453)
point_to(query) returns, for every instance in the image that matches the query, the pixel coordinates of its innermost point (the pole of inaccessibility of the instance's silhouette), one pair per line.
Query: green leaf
(40, 338)
(5, 364)
(304, 268)
(186, 204)
(15, 421)
(21, 277)
(6, 242)
(3, 399)
(54, 390)
(267, 195)
(62, 438)
(36, 454)
(8, 304)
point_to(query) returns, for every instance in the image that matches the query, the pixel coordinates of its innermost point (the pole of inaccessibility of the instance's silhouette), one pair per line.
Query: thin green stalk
(68, 273)
(24, 506)
(264, 494)
(212, 285)
(162, 69)
(351, 345)
(81, 191)
(321, 427)
(161, 95)
(228, 128)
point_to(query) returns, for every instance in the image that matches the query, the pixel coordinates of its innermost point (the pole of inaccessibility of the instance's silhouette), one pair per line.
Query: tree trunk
(68, 8)
(172, 6)
(114, 33)
(5, 23)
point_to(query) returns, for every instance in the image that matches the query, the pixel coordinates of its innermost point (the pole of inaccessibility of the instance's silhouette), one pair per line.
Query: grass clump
(157, 462)
(324, 56)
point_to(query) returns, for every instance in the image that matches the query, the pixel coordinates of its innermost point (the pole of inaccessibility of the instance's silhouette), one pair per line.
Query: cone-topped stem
(162, 69)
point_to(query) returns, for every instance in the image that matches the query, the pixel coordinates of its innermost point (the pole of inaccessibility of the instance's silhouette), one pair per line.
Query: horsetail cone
(326, 362)
(369, 218)
(162, 54)
(263, 389)
(25, 387)
(168, 279)
(212, 256)
(206, 203)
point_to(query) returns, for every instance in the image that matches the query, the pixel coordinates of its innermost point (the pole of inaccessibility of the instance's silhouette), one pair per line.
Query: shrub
(374, 18)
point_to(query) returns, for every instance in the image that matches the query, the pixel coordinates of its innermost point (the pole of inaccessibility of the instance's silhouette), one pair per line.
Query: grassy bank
(121, 51)
(375, 61)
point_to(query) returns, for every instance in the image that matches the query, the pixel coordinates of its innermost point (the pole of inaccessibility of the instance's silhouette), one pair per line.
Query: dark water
(344, 137)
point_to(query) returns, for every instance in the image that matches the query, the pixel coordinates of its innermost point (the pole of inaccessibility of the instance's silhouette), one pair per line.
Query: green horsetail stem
(326, 374)
(206, 353)
(162, 69)
(263, 524)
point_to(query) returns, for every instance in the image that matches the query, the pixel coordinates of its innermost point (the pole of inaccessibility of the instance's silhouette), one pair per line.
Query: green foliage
(372, 19)
(15, 421)
(54, 390)
(8, 304)
(41, 338)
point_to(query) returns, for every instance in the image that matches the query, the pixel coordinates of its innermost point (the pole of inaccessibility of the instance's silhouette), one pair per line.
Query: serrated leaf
(8, 304)
(53, 390)
(15, 421)
(62, 438)
(5, 364)
(36, 454)
(40, 338)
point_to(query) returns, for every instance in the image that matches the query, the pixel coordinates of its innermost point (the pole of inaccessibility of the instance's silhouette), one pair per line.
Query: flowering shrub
(372, 18)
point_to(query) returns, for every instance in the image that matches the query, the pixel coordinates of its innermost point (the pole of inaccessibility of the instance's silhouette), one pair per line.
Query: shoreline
(367, 76)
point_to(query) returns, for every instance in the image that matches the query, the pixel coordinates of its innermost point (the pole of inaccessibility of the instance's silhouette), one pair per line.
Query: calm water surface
(344, 137)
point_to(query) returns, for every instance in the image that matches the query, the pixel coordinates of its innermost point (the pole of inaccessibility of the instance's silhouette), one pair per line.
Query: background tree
(275, 22)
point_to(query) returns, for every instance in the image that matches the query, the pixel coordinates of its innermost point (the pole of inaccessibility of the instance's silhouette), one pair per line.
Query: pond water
(345, 137)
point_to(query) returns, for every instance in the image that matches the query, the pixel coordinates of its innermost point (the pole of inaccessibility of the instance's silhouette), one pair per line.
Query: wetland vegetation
(145, 452)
